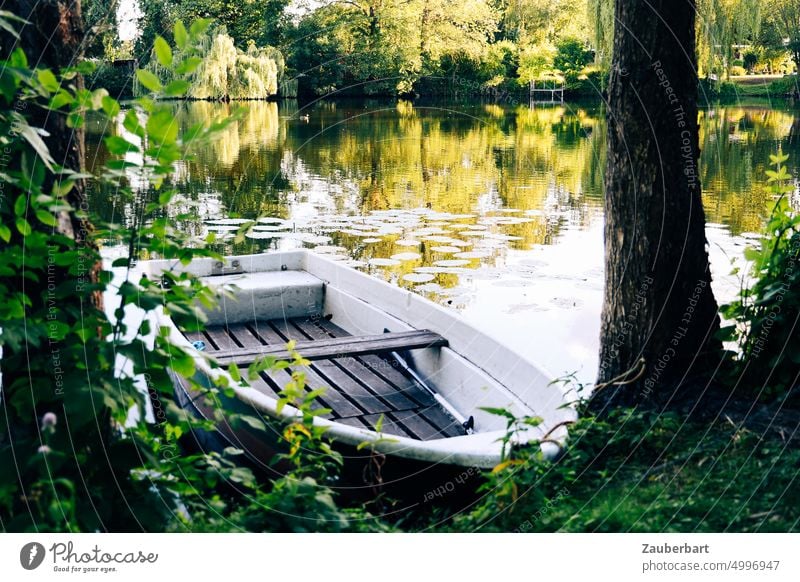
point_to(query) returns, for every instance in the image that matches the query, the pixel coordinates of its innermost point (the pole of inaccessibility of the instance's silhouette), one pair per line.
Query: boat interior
(366, 377)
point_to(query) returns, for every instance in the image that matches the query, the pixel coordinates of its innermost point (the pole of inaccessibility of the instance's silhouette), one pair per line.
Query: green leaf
(86, 68)
(252, 421)
(199, 27)
(166, 197)
(61, 99)
(498, 412)
(233, 370)
(188, 65)
(5, 25)
(110, 106)
(162, 126)
(5, 233)
(181, 38)
(20, 205)
(24, 227)
(163, 52)
(84, 334)
(98, 95)
(131, 123)
(46, 217)
(149, 80)
(119, 146)
(48, 80)
(35, 141)
(18, 59)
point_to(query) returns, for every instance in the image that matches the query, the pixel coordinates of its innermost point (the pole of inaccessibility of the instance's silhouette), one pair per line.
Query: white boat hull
(474, 371)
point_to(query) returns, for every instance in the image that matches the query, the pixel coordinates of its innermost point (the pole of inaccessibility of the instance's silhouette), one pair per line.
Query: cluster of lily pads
(412, 247)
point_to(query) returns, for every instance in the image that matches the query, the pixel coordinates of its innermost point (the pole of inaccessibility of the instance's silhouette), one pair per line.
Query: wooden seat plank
(361, 384)
(334, 377)
(338, 347)
(278, 379)
(330, 399)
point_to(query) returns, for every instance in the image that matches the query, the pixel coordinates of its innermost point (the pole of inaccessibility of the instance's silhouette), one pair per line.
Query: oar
(468, 424)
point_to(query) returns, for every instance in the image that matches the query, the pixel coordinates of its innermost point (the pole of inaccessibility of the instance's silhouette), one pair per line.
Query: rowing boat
(387, 358)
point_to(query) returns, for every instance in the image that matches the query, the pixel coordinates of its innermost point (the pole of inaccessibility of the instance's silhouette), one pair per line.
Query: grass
(644, 472)
(759, 86)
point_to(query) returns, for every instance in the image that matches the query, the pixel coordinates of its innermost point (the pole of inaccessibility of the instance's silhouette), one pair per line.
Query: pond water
(493, 211)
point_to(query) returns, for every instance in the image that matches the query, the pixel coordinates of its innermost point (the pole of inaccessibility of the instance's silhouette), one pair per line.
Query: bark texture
(659, 313)
(53, 40)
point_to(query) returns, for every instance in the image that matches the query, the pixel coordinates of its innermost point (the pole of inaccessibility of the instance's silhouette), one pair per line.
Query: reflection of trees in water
(736, 143)
(358, 157)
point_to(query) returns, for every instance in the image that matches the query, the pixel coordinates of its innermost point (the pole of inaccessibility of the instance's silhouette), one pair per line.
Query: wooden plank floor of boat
(359, 390)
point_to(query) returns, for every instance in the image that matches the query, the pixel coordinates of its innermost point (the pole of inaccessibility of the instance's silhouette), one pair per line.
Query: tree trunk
(659, 313)
(53, 40)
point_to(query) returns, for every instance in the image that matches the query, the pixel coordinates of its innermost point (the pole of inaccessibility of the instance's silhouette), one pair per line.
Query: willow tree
(722, 24)
(601, 24)
(659, 314)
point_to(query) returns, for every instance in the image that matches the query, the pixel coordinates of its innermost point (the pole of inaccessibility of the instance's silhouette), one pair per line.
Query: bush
(590, 84)
(787, 86)
(571, 58)
(79, 377)
(765, 314)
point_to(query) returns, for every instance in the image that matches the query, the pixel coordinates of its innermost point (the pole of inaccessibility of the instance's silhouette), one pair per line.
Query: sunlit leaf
(149, 80)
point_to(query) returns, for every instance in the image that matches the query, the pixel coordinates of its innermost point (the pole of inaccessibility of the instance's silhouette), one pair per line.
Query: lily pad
(473, 255)
(227, 221)
(406, 256)
(384, 262)
(407, 242)
(418, 277)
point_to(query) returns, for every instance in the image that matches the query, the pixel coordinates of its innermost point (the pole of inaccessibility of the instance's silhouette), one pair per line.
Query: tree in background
(785, 14)
(571, 58)
(722, 24)
(385, 46)
(100, 23)
(659, 315)
(538, 27)
(156, 20)
(770, 43)
(259, 22)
